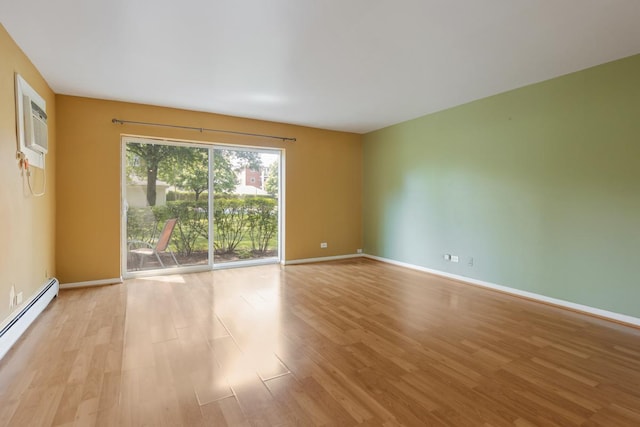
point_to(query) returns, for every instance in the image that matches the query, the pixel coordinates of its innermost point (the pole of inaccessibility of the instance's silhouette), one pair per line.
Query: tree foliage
(225, 165)
(249, 159)
(187, 167)
(224, 177)
(191, 172)
(188, 171)
(271, 183)
(151, 158)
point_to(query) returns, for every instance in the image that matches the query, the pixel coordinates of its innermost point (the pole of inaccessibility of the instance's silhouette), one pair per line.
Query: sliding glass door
(245, 205)
(191, 207)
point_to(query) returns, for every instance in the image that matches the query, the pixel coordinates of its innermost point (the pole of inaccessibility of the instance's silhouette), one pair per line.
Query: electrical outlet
(454, 258)
(447, 257)
(323, 245)
(470, 262)
(358, 251)
(19, 298)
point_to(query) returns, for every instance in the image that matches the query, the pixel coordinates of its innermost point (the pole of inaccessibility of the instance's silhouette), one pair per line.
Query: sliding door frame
(211, 265)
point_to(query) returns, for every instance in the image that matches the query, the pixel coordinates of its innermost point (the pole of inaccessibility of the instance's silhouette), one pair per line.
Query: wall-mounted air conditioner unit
(31, 118)
(36, 135)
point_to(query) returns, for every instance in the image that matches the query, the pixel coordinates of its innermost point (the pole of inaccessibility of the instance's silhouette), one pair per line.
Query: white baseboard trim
(90, 283)
(320, 259)
(609, 315)
(19, 321)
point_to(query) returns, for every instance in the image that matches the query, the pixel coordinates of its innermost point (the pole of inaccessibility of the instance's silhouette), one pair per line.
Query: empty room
(331, 213)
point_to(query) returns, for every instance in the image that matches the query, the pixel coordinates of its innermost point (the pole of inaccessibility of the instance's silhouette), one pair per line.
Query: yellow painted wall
(27, 223)
(323, 181)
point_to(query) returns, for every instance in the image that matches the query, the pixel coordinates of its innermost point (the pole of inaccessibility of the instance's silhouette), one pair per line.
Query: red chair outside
(161, 246)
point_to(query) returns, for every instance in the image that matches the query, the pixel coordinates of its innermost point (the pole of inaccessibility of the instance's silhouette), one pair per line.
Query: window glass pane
(246, 198)
(166, 199)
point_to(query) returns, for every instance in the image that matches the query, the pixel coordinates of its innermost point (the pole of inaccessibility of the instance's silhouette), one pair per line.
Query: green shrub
(244, 253)
(142, 225)
(262, 221)
(229, 222)
(174, 196)
(192, 223)
(235, 219)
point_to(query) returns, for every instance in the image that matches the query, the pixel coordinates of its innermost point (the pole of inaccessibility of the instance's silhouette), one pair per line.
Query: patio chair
(144, 249)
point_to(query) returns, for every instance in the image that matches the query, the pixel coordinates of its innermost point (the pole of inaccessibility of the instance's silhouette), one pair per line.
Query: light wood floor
(345, 343)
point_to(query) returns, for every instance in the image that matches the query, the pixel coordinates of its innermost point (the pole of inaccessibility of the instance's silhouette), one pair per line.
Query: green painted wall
(540, 185)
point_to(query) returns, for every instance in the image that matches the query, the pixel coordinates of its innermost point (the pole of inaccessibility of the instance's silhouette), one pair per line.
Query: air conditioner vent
(35, 126)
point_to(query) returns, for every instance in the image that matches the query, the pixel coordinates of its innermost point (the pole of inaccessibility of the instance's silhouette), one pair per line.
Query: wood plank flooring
(346, 343)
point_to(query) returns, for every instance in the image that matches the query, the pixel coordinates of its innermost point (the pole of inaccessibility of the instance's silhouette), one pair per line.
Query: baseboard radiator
(18, 323)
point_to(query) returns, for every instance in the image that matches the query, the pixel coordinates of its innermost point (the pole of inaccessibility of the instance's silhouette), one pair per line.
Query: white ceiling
(354, 65)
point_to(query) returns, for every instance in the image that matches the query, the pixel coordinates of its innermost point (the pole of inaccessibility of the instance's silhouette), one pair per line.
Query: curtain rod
(233, 132)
